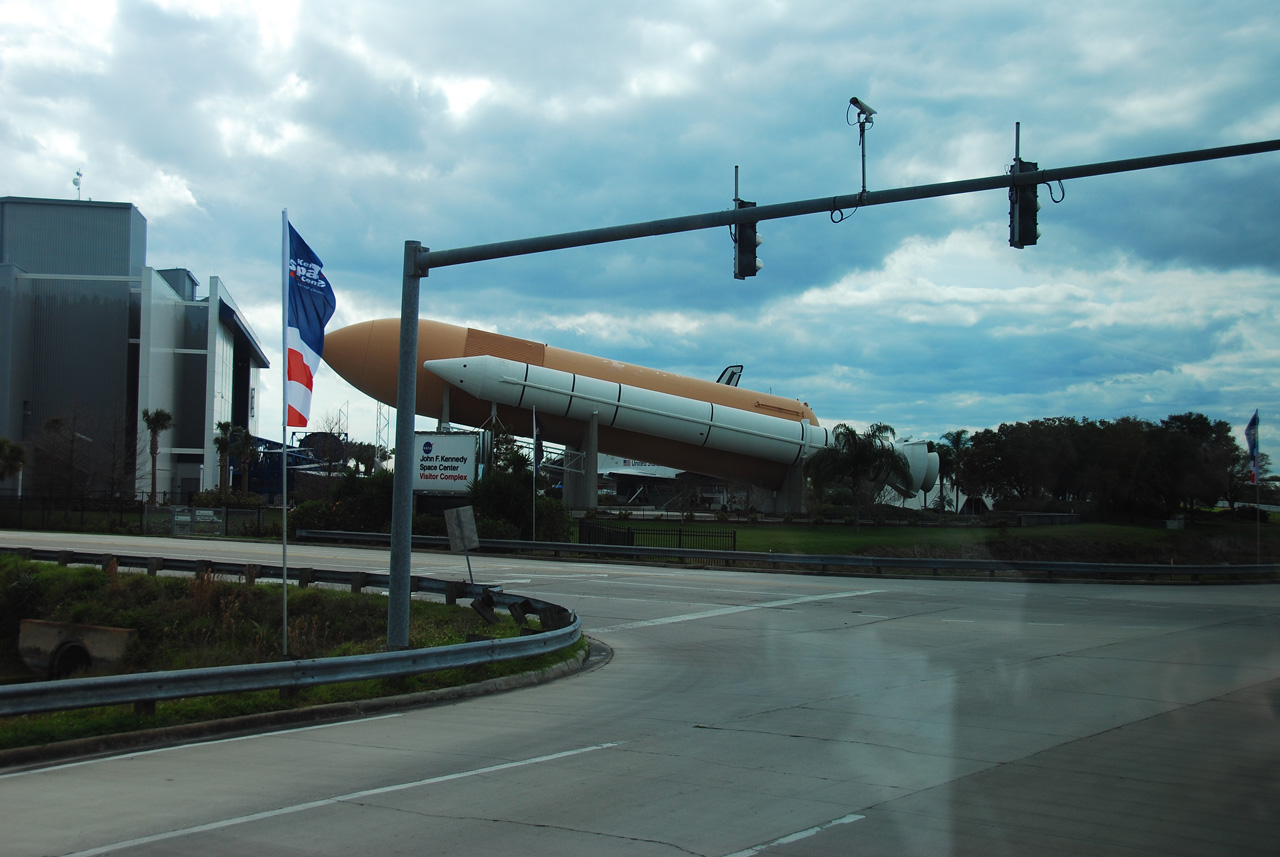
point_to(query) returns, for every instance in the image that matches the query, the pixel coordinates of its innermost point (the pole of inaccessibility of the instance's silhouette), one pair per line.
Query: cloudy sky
(456, 124)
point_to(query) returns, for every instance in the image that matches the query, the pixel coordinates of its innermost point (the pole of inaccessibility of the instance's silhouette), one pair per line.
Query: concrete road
(749, 714)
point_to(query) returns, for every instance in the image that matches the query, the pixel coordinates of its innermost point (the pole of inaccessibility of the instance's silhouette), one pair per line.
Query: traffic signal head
(1024, 205)
(746, 240)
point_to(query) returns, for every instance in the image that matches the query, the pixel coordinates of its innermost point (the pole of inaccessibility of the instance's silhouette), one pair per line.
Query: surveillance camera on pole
(864, 121)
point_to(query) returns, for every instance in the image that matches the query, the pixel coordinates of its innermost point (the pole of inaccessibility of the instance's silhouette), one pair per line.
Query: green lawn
(1208, 542)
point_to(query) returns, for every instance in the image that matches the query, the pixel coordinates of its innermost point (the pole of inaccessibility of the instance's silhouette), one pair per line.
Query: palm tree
(12, 457)
(222, 442)
(157, 421)
(861, 459)
(950, 452)
(244, 446)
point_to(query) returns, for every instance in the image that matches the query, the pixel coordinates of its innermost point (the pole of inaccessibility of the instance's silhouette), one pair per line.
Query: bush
(311, 515)
(1248, 514)
(554, 522)
(225, 498)
(427, 525)
(496, 528)
(504, 496)
(502, 501)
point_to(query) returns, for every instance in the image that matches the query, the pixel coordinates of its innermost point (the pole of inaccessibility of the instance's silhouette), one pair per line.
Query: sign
(461, 524)
(446, 461)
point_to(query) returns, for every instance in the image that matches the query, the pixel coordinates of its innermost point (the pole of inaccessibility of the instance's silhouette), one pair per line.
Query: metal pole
(402, 490)
(427, 259)
(533, 455)
(284, 439)
(862, 146)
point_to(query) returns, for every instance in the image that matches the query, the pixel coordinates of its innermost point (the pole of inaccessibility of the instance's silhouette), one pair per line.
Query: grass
(199, 621)
(1213, 540)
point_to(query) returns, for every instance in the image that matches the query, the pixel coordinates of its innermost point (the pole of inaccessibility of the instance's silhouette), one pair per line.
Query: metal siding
(80, 349)
(15, 351)
(189, 423)
(56, 237)
(137, 242)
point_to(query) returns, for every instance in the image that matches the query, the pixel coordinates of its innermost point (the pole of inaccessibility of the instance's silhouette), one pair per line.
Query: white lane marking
(567, 596)
(796, 837)
(191, 744)
(956, 620)
(1050, 624)
(694, 587)
(725, 611)
(315, 804)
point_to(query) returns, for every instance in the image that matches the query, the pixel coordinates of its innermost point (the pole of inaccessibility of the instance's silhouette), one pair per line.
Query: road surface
(745, 713)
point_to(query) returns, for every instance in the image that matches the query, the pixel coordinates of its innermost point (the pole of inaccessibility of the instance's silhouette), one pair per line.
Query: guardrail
(827, 564)
(561, 628)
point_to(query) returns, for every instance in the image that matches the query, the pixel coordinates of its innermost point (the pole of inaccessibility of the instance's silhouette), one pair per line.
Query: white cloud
(71, 35)
(500, 120)
(276, 22)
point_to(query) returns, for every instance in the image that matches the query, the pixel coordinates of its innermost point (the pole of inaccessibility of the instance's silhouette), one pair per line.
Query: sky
(454, 124)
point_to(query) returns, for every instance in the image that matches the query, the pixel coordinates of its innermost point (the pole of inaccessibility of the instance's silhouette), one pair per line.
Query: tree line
(1121, 469)
(1116, 470)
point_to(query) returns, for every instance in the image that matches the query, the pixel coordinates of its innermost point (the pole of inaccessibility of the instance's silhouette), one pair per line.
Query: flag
(311, 305)
(537, 444)
(1251, 438)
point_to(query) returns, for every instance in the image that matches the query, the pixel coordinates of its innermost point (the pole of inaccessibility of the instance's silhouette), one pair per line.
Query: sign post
(461, 523)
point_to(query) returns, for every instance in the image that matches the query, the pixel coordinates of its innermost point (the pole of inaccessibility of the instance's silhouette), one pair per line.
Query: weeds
(201, 621)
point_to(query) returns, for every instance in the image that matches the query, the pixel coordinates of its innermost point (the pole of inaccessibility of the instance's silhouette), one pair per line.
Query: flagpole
(533, 455)
(284, 432)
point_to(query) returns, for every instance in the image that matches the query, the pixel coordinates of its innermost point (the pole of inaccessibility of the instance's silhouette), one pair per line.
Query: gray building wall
(48, 236)
(16, 351)
(90, 336)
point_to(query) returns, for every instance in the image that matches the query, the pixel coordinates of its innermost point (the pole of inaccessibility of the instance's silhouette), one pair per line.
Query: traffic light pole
(428, 259)
(419, 260)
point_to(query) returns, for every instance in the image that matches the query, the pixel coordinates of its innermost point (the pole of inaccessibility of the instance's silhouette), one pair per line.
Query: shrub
(496, 528)
(311, 515)
(225, 498)
(554, 522)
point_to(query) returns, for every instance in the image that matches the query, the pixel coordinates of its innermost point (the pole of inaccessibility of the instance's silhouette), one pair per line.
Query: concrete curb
(596, 655)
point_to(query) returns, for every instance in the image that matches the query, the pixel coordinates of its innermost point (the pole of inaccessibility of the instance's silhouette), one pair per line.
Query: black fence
(694, 538)
(135, 517)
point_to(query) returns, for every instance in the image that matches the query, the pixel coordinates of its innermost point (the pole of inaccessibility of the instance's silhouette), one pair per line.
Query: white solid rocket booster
(636, 409)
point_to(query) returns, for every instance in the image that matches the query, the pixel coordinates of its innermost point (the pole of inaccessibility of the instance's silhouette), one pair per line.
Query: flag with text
(311, 305)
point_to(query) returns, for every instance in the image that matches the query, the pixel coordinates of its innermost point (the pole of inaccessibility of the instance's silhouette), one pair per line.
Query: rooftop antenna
(76, 181)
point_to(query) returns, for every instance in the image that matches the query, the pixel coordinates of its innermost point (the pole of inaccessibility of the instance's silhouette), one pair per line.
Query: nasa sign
(446, 461)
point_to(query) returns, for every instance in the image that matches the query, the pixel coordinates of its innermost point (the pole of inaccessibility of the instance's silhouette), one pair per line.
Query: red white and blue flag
(1251, 438)
(311, 305)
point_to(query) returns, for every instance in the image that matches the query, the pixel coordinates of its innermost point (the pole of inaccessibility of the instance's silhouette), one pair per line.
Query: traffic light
(746, 240)
(1023, 206)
